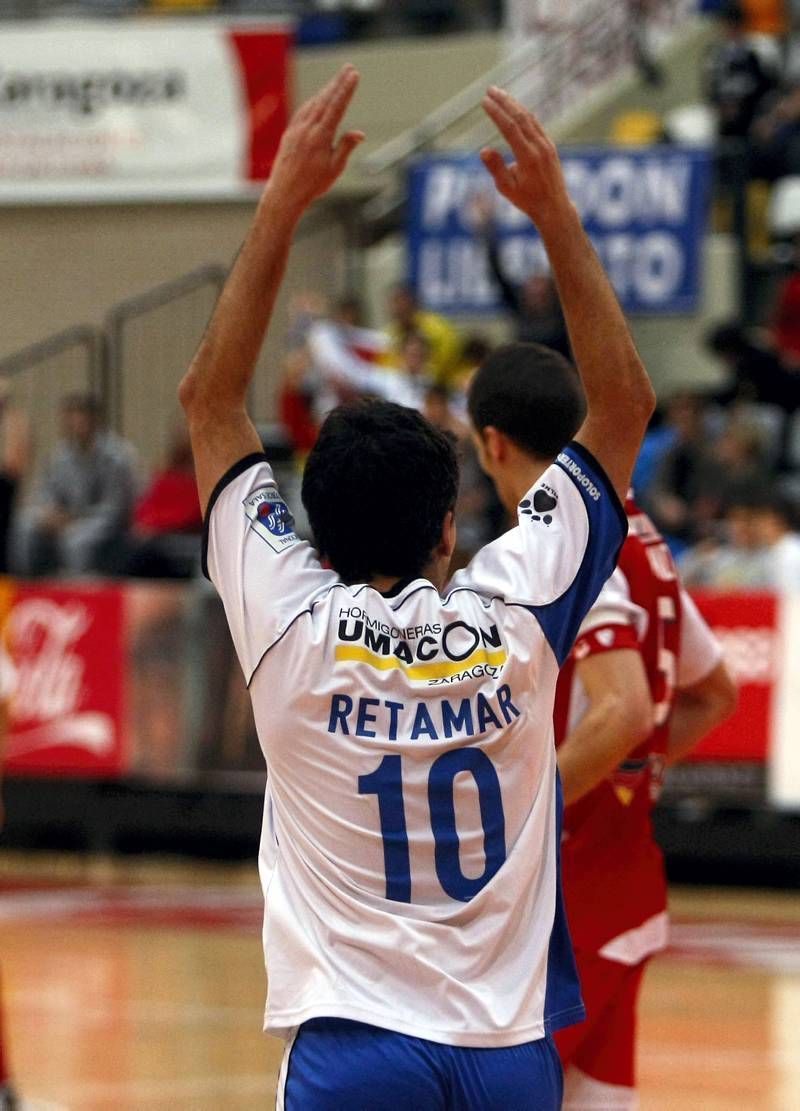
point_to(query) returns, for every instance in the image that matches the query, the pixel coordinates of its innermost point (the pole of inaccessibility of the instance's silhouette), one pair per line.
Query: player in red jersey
(643, 684)
(642, 625)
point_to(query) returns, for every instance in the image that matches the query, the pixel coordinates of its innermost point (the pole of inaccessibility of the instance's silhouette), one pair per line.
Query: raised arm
(620, 399)
(214, 390)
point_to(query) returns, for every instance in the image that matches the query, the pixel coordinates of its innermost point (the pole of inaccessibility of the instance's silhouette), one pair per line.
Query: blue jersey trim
(563, 1005)
(608, 526)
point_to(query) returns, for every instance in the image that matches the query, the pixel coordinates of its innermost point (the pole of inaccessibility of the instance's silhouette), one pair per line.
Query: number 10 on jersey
(386, 781)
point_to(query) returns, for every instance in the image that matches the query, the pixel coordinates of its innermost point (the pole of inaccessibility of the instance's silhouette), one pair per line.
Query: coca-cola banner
(68, 711)
(154, 108)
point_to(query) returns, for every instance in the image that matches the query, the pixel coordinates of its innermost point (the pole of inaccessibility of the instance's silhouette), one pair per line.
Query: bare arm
(619, 717)
(214, 390)
(620, 399)
(697, 709)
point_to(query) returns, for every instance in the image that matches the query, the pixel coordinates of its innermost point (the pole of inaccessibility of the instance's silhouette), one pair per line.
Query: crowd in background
(719, 471)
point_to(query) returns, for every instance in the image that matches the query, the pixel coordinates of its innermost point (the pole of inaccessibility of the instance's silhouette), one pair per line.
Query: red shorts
(603, 1046)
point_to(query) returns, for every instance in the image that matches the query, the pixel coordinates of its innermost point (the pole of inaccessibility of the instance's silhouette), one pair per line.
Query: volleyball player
(414, 936)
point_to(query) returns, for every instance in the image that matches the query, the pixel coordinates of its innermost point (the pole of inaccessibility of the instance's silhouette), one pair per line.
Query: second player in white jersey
(411, 763)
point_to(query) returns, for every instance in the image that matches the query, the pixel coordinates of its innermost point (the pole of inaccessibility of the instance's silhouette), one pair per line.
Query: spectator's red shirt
(787, 318)
(170, 504)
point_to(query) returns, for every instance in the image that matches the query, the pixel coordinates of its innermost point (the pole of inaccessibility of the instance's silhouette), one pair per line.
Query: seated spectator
(675, 486)
(167, 520)
(785, 324)
(296, 400)
(775, 522)
(534, 303)
(479, 515)
(406, 317)
(81, 510)
(737, 80)
(754, 371)
(476, 348)
(659, 439)
(734, 560)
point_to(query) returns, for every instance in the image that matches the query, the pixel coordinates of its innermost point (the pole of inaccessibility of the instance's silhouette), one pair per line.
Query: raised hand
(309, 158)
(534, 181)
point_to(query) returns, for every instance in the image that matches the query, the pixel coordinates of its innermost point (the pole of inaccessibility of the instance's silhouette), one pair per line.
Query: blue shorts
(335, 1064)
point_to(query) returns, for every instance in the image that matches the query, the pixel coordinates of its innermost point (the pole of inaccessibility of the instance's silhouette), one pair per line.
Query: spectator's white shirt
(409, 853)
(783, 564)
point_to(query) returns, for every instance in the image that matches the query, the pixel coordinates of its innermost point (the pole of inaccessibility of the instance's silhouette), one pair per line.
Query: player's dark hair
(530, 393)
(377, 487)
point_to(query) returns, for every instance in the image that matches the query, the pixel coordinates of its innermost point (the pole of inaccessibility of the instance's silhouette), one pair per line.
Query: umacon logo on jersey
(433, 654)
(271, 518)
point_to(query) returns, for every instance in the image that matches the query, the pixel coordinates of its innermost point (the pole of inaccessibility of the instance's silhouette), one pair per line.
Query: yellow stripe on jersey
(356, 654)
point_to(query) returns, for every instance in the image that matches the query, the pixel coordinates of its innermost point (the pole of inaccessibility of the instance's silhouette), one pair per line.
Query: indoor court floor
(131, 985)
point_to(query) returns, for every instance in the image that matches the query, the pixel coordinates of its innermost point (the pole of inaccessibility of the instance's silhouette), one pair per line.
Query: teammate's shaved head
(531, 394)
(377, 487)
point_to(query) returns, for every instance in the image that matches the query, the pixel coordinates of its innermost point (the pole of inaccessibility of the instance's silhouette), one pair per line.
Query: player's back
(410, 800)
(612, 867)
(409, 853)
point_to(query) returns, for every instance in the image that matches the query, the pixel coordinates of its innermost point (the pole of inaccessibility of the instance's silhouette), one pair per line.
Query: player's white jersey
(409, 855)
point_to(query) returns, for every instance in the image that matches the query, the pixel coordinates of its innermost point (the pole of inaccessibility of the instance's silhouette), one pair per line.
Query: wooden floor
(132, 987)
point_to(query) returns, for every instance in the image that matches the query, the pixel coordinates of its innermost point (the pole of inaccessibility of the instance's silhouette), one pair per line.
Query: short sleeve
(9, 679)
(700, 651)
(570, 528)
(614, 608)
(265, 574)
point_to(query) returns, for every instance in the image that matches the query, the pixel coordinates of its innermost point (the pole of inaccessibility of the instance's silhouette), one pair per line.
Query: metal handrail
(79, 335)
(143, 303)
(399, 149)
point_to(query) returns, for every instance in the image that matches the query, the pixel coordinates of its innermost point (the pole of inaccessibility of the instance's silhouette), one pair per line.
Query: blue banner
(644, 209)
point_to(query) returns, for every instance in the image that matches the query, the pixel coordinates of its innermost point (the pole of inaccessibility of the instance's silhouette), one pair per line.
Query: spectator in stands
(475, 350)
(81, 511)
(406, 317)
(785, 324)
(479, 514)
(733, 561)
(757, 373)
(676, 484)
(775, 523)
(737, 81)
(14, 462)
(775, 138)
(534, 303)
(296, 400)
(167, 521)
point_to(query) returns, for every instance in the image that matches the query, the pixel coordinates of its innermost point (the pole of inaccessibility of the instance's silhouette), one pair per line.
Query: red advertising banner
(68, 649)
(747, 627)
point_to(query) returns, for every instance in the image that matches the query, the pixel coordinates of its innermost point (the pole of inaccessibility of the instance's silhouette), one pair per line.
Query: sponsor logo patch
(271, 518)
